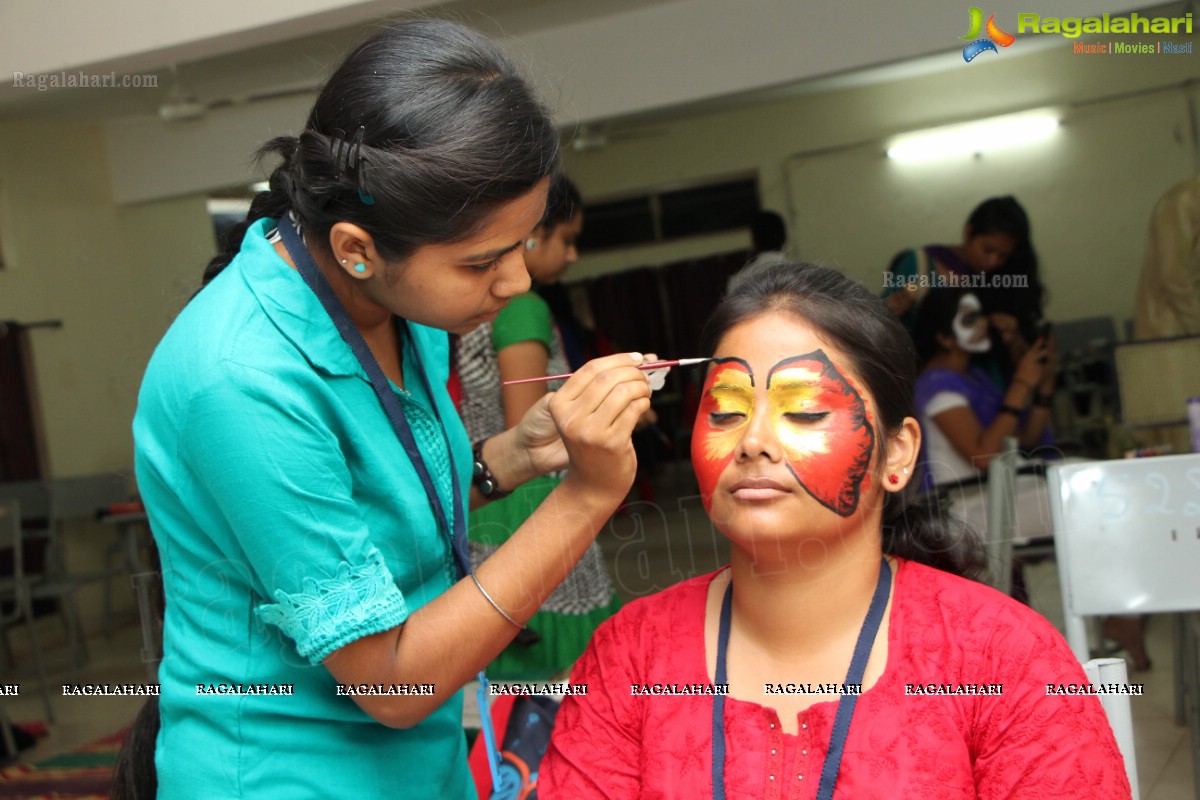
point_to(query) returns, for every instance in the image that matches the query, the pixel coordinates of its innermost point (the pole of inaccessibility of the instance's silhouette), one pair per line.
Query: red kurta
(944, 630)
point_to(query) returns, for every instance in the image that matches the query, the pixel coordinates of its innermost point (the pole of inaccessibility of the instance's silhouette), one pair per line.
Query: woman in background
(524, 342)
(996, 248)
(803, 447)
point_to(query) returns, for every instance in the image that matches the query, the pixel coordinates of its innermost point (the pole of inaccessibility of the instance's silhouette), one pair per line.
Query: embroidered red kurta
(907, 740)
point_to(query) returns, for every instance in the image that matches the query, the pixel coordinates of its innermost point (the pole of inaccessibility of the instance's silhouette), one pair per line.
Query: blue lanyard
(845, 709)
(456, 532)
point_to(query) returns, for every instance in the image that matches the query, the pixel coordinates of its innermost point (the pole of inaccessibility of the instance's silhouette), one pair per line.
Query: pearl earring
(531, 244)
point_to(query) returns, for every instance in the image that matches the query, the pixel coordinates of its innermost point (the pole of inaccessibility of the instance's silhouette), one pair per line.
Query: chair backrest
(1156, 378)
(1084, 334)
(82, 496)
(36, 499)
(1116, 705)
(1127, 534)
(1001, 514)
(39, 524)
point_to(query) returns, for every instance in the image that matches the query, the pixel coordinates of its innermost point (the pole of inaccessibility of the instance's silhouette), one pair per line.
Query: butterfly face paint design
(819, 418)
(728, 393)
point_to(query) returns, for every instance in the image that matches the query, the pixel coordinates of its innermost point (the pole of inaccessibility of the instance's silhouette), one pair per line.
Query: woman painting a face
(841, 653)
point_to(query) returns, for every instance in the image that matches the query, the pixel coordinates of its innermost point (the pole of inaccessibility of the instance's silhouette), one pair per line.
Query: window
(708, 209)
(664, 215)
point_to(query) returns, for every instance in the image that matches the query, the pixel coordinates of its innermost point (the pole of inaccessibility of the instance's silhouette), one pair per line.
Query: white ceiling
(596, 58)
(256, 63)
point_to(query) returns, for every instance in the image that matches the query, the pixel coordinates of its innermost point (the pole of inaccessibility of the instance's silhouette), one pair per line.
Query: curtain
(18, 439)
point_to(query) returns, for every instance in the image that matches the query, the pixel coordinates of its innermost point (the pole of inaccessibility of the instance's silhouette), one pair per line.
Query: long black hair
(881, 353)
(422, 132)
(1005, 215)
(936, 316)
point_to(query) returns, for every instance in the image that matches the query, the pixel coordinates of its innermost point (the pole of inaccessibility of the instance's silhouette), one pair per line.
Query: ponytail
(273, 203)
(134, 775)
(917, 529)
(417, 137)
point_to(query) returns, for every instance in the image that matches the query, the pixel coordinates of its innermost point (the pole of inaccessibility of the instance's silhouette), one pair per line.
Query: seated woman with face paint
(842, 653)
(965, 417)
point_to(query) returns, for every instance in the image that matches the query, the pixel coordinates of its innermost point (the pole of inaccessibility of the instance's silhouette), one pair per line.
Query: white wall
(591, 59)
(113, 275)
(1126, 137)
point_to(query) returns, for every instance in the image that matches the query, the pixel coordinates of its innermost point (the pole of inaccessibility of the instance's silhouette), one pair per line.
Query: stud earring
(343, 261)
(360, 268)
(893, 479)
(531, 244)
(906, 470)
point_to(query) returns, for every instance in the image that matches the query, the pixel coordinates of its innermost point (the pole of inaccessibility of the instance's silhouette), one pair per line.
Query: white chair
(1118, 710)
(1127, 535)
(1001, 514)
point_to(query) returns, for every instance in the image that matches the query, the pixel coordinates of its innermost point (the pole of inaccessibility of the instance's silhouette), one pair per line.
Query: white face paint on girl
(970, 326)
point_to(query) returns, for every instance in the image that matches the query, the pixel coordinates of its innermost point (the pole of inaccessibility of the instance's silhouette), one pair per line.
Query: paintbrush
(679, 362)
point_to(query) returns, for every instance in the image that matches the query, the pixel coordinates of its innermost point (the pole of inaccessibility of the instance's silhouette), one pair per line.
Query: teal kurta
(290, 522)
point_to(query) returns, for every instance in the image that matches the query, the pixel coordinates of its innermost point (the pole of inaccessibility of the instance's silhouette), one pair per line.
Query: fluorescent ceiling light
(974, 137)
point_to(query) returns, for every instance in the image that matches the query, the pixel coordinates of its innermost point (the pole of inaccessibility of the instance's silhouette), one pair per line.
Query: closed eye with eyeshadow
(818, 419)
(805, 416)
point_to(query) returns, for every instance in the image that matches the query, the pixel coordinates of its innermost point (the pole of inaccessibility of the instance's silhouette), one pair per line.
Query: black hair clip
(348, 159)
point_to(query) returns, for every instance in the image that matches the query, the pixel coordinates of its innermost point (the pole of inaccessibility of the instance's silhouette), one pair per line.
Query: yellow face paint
(818, 417)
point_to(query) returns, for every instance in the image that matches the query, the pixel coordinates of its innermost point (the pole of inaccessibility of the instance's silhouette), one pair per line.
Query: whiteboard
(1127, 534)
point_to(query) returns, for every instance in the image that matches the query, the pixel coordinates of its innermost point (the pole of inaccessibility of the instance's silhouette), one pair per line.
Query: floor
(77, 719)
(649, 546)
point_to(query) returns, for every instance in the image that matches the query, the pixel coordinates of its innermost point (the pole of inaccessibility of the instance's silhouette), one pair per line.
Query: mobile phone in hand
(1044, 335)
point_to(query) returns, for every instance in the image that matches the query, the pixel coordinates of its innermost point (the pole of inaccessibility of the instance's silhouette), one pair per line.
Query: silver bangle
(488, 597)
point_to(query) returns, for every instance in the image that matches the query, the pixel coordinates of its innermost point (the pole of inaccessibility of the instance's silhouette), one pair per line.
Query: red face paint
(729, 390)
(822, 424)
(819, 418)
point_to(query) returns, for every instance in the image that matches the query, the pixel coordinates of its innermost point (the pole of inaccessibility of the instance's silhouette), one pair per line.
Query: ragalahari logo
(995, 36)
